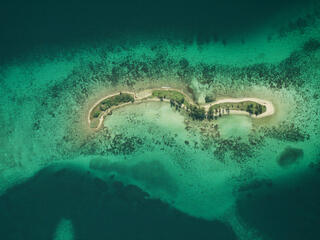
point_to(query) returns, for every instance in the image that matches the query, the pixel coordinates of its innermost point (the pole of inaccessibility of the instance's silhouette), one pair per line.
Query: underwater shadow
(96, 209)
(290, 210)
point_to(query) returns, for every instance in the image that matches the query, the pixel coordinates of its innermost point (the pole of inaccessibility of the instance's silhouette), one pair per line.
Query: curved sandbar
(101, 118)
(268, 106)
(164, 94)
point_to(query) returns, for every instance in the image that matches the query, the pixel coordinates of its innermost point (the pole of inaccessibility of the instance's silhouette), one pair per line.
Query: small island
(253, 107)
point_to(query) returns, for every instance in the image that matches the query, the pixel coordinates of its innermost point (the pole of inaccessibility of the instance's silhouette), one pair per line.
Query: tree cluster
(116, 100)
(197, 113)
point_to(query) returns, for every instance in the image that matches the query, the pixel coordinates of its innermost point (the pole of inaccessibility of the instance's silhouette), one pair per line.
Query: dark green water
(152, 172)
(28, 26)
(97, 209)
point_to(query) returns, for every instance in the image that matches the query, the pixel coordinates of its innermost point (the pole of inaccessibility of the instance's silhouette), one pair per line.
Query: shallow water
(235, 126)
(151, 171)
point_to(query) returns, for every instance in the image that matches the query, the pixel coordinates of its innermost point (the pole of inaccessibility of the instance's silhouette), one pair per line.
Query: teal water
(235, 126)
(152, 172)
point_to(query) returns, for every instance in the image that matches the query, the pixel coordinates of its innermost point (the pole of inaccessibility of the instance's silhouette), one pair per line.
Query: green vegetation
(96, 114)
(175, 96)
(110, 102)
(209, 99)
(210, 114)
(197, 113)
(177, 99)
(117, 100)
(248, 106)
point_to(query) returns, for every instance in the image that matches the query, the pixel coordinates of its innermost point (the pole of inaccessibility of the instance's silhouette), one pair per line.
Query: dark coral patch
(290, 156)
(311, 45)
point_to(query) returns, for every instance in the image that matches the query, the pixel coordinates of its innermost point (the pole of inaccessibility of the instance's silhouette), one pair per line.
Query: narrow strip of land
(268, 105)
(254, 107)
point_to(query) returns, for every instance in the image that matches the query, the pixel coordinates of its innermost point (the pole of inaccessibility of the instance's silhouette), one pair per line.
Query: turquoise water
(151, 172)
(235, 126)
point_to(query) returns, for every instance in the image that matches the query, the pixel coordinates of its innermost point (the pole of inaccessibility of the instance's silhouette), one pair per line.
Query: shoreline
(144, 96)
(269, 106)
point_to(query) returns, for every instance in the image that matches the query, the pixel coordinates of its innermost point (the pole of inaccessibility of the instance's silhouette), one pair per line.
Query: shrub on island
(112, 101)
(175, 96)
(209, 99)
(118, 99)
(248, 106)
(96, 114)
(103, 107)
(197, 113)
(210, 114)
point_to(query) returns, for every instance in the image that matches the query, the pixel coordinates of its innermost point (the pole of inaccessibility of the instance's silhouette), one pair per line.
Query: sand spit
(269, 106)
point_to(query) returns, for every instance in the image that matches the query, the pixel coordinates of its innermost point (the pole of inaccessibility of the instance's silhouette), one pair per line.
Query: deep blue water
(110, 210)
(290, 210)
(97, 209)
(25, 25)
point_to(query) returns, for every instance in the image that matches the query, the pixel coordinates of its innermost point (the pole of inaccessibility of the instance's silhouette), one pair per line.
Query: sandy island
(146, 96)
